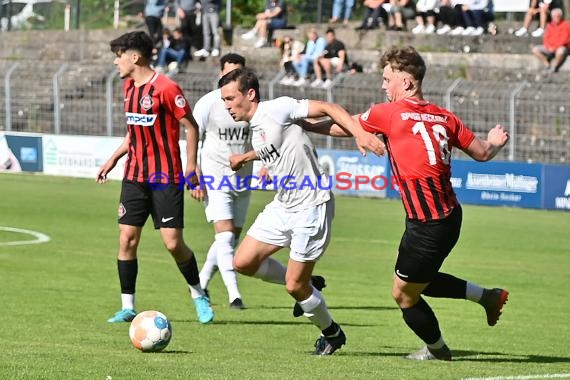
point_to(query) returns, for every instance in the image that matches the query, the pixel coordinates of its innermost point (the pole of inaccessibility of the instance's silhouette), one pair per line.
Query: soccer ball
(150, 331)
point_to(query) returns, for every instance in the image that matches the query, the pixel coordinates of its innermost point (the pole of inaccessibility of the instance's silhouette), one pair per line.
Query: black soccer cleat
(237, 304)
(328, 345)
(319, 283)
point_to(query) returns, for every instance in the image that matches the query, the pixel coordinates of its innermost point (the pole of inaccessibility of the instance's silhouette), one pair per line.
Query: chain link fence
(82, 99)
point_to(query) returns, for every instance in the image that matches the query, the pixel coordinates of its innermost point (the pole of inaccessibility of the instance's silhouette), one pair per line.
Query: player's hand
(192, 177)
(199, 194)
(104, 170)
(264, 175)
(236, 161)
(498, 136)
(366, 141)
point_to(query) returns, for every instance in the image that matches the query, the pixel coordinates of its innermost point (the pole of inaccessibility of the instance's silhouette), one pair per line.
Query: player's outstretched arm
(485, 150)
(111, 162)
(239, 160)
(365, 141)
(324, 127)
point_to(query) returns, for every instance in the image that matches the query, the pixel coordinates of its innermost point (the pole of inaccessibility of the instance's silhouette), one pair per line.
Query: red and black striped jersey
(419, 137)
(153, 111)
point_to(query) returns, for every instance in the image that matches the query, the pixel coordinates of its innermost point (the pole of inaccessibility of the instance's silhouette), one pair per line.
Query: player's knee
(398, 295)
(128, 242)
(172, 245)
(243, 266)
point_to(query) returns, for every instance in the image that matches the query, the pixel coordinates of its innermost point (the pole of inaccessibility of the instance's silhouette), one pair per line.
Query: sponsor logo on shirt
(140, 119)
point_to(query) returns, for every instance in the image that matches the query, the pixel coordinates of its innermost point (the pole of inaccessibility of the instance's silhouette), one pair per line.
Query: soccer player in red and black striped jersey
(155, 109)
(419, 137)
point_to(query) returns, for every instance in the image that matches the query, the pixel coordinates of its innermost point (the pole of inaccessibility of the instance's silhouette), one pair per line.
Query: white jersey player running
(299, 217)
(227, 199)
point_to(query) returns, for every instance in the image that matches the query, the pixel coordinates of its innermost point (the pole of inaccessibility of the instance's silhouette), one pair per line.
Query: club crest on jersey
(121, 211)
(180, 101)
(146, 102)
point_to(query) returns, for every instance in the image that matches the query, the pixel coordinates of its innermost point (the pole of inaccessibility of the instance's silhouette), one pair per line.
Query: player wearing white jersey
(299, 217)
(226, 206)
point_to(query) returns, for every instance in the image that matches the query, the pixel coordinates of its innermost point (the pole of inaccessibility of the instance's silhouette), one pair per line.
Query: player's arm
(112, 161)
(365, 141)
(192, 132)
(239, 160)
(324, 127)
(485, 150)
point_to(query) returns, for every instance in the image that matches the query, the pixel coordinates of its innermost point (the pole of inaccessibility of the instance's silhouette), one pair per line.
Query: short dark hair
(245, 78)
(405, 59)
(138, 41)
(234, 58)
(330, 30)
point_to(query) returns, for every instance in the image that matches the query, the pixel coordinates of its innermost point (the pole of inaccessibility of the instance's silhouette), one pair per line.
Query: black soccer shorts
(425, 245)
(138, 200)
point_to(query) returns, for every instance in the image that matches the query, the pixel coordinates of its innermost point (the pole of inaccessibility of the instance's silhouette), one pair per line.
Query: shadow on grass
(475, 356)
(175, 352)
(373, 308)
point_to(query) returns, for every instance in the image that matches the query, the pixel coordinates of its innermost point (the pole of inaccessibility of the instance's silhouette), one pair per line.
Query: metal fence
(81, 99)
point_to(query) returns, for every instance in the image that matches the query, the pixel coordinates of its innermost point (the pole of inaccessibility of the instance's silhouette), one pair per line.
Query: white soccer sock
(316, 310)
(209, 267)
(225, 254)
(271, 270)
(437, 345)
(196, 291)
(473, 292)
(128, 301)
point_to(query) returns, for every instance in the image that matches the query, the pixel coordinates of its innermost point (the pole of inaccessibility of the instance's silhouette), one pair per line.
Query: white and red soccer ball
(150, 331)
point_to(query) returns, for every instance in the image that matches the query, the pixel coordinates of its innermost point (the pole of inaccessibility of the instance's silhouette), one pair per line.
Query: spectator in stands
(450, 17)
(153, 13)
(426, 16)
(476, 15)
(333, 57)
(187, 11)
(210, 23)
(374, 12)
(542, 9)
(554, 49)
(400, 12)
(337, 9)
(314, 48)
(177, 51)
(291, 50)
(274, 17)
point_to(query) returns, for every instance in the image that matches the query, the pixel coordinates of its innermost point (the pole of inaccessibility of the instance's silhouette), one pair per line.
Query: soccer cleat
(125, 315)
(328, 345)
(493, 300)
(431, 354)
(319, 283)
(237, 304)
(203, 309)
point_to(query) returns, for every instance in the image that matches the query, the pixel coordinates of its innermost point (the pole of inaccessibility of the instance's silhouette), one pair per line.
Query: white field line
(523, 377)
(39, 237)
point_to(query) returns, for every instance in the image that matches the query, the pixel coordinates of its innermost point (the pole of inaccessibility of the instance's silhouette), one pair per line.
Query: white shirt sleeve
(290, 108)
(201, 111)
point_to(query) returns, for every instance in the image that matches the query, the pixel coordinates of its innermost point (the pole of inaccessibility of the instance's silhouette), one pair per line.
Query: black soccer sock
(446, 286)
(421, 319)
(128, 270)
(189, 270)
(332, 330)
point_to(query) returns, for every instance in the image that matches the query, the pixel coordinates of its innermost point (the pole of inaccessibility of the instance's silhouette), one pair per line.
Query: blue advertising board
(556, 187)
(498, 183)
(27, 150)
(354, 174)
(495, 183)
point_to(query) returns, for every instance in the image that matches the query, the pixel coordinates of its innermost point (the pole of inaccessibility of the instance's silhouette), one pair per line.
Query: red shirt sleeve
(174, 101)
(376, 119)
(463, 134)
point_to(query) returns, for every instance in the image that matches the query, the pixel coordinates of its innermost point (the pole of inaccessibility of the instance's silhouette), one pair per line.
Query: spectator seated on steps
(274, 17)
(333, 57)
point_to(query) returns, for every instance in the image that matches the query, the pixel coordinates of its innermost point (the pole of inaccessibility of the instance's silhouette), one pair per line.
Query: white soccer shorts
(307, 233)
(223, 205)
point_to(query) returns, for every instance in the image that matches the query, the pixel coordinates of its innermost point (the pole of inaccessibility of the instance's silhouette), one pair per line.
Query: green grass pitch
(56, 296)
